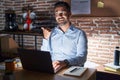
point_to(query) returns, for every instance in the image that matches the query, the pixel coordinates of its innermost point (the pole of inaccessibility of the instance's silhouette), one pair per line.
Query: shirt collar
(70, 29)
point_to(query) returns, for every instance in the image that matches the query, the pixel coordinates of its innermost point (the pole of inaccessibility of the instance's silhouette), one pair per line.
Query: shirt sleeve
(81, 54)
(45, 45)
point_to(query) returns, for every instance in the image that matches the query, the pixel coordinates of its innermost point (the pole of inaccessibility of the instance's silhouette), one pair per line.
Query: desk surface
(21, 74)
(101, 69)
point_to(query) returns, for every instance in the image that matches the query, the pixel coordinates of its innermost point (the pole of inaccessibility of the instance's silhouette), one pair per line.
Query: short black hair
(63, 4)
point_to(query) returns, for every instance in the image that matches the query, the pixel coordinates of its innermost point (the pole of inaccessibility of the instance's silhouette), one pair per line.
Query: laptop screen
(36, 60)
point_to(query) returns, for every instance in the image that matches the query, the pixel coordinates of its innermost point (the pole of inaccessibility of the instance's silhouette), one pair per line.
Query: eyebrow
(60, 11)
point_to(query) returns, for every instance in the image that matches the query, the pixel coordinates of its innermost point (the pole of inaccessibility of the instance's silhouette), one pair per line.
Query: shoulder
(76, 29)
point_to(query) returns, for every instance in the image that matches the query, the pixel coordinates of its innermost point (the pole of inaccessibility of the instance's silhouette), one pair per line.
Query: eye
(64, 12)
(60, 12)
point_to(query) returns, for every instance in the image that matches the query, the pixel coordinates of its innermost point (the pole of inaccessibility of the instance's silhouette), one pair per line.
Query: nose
(60, 14)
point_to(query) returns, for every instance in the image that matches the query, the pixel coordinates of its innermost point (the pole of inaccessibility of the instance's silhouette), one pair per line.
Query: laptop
(36, 60)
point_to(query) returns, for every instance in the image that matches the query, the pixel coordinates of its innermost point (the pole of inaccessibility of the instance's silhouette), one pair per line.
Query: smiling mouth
(61, 19)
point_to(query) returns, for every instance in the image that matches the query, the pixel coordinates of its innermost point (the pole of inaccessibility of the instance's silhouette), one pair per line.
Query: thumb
(42, 28)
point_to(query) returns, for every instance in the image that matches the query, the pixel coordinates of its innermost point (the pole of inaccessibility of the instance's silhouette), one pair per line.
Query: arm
(45, 42)
(81, 55)
(45, 45)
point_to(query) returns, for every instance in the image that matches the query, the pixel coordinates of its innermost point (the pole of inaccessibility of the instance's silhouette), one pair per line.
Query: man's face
(62, 15)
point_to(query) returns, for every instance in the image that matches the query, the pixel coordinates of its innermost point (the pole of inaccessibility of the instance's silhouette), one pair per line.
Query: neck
(65, 27)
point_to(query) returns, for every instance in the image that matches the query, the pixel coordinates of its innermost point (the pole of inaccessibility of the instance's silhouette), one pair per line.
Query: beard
(62, 22)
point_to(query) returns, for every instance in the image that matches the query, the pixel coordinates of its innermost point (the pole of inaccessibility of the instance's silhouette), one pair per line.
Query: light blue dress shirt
(70, 45)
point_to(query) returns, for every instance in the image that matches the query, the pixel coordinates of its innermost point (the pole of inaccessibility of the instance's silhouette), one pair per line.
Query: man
(66, 43)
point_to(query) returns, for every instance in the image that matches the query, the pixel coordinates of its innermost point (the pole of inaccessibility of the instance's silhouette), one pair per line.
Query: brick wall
(102, 32)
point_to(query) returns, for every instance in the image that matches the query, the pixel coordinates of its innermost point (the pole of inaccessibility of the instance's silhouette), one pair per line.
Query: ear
(70, 14)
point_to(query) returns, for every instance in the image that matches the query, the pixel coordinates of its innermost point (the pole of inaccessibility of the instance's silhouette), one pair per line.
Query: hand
(46, 32)
(59, 64)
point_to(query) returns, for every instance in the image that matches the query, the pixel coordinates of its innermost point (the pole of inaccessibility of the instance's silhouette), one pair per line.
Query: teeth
(60, 19)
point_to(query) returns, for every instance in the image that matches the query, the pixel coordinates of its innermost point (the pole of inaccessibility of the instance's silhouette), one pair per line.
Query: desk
(20, 35)
(101, 69)
(90, 74)
(106, 75)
